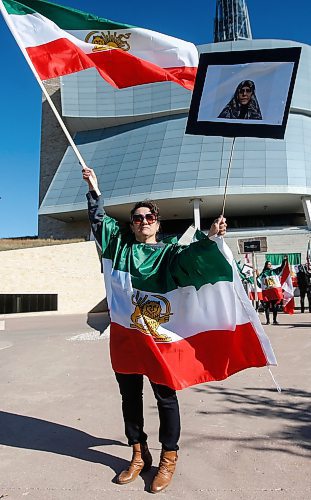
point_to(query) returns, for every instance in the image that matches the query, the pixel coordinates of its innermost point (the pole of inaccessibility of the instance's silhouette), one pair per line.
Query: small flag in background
(60, 41)
(288, 290)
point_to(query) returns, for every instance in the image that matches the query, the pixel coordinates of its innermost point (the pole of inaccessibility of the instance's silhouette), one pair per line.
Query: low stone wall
(71, 270)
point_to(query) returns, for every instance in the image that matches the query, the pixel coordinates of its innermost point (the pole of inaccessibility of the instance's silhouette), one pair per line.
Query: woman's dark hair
(153, 207)
(266, 264)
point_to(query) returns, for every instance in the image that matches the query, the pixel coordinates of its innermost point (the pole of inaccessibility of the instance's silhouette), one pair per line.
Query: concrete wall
(56, 229)
(53, 147)
(71, 270)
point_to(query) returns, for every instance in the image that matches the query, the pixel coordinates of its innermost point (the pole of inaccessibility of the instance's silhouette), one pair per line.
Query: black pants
(272, 304)
(131, 389)
(303, 293)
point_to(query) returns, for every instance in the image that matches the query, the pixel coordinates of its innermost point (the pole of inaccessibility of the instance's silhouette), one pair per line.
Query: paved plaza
(61, 431)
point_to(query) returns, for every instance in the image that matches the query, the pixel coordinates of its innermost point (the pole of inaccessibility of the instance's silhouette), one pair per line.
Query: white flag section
(205, 327)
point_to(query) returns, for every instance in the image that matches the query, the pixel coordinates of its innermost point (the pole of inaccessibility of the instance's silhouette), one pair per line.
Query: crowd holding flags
(281, 288)
(287, 279)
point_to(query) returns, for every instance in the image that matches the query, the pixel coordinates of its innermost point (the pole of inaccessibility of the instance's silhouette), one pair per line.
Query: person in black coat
(304, 285)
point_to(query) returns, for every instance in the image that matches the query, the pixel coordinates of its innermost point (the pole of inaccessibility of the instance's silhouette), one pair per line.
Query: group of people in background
(269, 288)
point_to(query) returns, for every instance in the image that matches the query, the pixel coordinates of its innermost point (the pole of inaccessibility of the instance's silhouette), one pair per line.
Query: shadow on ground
(31, 433)
(21, 431)
(291, 409)
(297, 325)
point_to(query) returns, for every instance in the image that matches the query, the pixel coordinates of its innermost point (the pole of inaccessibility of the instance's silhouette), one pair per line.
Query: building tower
(231, 21)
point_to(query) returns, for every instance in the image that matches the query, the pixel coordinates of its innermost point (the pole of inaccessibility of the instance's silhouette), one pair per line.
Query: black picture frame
(237, 63)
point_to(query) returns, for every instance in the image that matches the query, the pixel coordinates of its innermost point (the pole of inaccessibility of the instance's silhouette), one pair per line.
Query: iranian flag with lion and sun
(179, 314)
(61, 40)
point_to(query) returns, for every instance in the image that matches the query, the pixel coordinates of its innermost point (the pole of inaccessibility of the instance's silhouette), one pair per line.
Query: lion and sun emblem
(148, 315)
(108, 40)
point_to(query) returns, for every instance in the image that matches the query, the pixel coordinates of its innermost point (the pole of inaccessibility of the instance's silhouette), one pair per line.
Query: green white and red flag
(271, 286)
(61, 40)
(179, 315)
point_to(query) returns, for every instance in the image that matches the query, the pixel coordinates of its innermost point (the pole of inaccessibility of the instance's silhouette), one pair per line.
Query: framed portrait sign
(243, 93)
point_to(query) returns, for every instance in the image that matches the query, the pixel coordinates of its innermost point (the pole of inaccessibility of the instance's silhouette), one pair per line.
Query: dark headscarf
(250, 111)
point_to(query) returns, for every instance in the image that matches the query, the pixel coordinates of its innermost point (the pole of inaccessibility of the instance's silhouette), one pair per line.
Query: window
(34, 302)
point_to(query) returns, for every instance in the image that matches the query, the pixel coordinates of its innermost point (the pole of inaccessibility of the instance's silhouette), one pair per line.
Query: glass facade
(140, 148)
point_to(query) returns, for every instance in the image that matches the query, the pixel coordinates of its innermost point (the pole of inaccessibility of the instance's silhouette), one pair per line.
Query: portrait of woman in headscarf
(244, 104)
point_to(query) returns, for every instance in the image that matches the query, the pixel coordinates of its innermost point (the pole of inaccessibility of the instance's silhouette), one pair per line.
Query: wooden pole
(48, 98)
(227, 177)
(255, 279)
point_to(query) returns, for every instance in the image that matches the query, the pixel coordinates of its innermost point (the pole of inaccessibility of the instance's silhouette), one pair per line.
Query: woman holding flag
(144, 227)
(271, 286)
(179, 315)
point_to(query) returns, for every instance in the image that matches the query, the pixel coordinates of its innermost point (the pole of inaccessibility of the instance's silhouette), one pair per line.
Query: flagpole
(227, 178)
(255, 279)
(48, 98)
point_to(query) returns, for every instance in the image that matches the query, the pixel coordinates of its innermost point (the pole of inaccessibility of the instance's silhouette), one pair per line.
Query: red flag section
(288, 290)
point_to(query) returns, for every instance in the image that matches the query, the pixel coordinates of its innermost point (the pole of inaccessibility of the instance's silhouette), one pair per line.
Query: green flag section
(276, 259)
(61, 40)
(179, 314)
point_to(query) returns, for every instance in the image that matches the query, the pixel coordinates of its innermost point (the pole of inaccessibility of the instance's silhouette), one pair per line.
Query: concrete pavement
(61, 431)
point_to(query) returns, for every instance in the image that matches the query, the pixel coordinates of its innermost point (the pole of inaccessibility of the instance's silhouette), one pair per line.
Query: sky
(21, 95)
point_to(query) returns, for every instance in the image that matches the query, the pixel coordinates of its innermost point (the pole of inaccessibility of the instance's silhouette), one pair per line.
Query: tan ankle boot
(141, 461)
(165, 472)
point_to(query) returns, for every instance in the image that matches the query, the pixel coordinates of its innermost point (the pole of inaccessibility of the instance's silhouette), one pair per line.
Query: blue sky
(21, 95)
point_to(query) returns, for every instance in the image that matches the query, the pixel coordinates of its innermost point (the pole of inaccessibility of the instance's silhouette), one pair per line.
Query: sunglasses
(245, 91)
(139, 218)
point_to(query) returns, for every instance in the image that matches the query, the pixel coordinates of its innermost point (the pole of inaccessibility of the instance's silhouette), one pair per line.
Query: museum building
(135, 140)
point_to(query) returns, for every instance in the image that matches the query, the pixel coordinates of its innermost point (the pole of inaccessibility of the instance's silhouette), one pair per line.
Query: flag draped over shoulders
(179, 314)
(61, 40)
(271, 285)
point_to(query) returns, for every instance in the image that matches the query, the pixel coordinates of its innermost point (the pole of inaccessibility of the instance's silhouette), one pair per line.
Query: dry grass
(19, 243)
